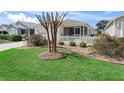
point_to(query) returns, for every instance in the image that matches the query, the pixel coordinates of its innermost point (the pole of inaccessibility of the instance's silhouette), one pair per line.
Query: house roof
(3, 27)
(30, 24)
(75, 23)
(113, 21)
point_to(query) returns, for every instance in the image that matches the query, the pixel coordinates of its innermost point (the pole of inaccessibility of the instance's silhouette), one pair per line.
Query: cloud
(21, 17)
(87, 16)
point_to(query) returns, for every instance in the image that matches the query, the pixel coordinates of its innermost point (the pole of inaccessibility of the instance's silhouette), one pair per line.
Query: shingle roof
(30, 24)
(75, 22)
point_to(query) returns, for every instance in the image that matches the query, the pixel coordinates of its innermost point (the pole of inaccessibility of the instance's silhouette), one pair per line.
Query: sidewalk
(12, 45)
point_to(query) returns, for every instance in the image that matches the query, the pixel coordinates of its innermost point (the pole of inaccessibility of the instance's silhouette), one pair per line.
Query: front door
(77, 31)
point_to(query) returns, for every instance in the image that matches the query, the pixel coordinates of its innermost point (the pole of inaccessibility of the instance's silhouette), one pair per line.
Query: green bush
(61, 43)
(72, 43)
(110, 46)
(11, 37)
(37, 40)
(16, 38)
(4, 37)
(83, 44)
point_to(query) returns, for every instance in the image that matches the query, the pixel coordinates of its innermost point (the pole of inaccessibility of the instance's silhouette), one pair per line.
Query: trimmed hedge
(11, 37)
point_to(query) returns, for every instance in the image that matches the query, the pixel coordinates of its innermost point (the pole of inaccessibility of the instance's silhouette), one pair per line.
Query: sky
(90, 17)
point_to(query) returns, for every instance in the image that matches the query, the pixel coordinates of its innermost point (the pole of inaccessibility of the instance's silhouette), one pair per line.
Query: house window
(21, 31)
(31, 31)
(68, 31)
(77, 30)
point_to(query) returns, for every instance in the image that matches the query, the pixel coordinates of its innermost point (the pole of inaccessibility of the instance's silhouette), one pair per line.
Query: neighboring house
(25, 28)
(3, 29)
(116, 27)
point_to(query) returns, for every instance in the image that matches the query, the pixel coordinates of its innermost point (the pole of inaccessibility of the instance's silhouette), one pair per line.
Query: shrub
(110, 46)
(83, 44)
(11, 37)
(72, 43)
(16, 38)
(37, 40)
(3, 36)
(61, 43)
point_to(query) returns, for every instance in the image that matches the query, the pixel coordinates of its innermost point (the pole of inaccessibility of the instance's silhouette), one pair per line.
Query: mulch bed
(51, 55)
(90, 52)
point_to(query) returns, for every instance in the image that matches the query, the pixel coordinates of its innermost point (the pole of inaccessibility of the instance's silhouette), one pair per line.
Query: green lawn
(4, 41)
(24, 64)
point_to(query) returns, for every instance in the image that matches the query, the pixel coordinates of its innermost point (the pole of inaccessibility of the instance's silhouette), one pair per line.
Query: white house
(115, 27)
(25, 28)
(70, 30)
(73, 30)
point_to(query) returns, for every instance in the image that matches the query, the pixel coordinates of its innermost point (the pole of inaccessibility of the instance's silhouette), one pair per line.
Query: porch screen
(68, 31)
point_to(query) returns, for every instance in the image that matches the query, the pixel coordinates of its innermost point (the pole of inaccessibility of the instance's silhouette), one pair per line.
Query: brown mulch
(48, 55)
(90, 52)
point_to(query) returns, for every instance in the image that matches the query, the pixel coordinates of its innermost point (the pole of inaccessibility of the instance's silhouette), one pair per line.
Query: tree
(101, 25)
(51, 22)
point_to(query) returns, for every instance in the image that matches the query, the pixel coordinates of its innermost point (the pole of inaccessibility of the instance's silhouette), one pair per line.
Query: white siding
(116, 28)
(12, 31)
(119, 27)
(111, 30)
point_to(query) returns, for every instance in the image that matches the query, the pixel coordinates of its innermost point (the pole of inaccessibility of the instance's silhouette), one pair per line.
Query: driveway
(12, 45)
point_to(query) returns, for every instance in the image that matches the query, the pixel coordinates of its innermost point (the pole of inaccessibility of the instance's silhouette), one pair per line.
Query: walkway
(12, 45)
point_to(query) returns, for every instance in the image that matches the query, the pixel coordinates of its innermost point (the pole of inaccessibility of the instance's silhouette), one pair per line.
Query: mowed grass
(24, 64)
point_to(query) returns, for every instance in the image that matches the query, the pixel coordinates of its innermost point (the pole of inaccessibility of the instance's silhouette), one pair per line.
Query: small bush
(110, 46)
(37, 40)
(61, 43)
(83, 44)
(16, 38)
(72, 43)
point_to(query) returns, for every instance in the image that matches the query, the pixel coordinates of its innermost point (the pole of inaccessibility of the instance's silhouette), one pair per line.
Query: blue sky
(90, 17)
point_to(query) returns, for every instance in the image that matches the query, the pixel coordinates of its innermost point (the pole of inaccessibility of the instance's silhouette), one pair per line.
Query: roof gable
(109, 24)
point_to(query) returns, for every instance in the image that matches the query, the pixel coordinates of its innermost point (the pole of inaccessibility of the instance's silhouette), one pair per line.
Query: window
(68, 31)
(77, 30)
(21, 31)
(31, 31)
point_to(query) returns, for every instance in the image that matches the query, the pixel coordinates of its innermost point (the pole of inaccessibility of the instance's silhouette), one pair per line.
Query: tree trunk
(54, 41)
(51, 27)
(49, 43)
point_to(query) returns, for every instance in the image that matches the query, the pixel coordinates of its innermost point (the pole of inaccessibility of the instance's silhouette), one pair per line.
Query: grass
(4, 41)
(24, 64)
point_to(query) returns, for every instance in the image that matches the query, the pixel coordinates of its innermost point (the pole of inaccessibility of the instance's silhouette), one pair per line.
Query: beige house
(116, 27)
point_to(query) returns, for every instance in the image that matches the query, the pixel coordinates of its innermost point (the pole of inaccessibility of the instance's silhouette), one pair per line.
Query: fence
(87, 39)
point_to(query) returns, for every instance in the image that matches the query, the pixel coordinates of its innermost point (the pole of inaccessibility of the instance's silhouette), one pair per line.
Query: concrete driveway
(12, 45)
